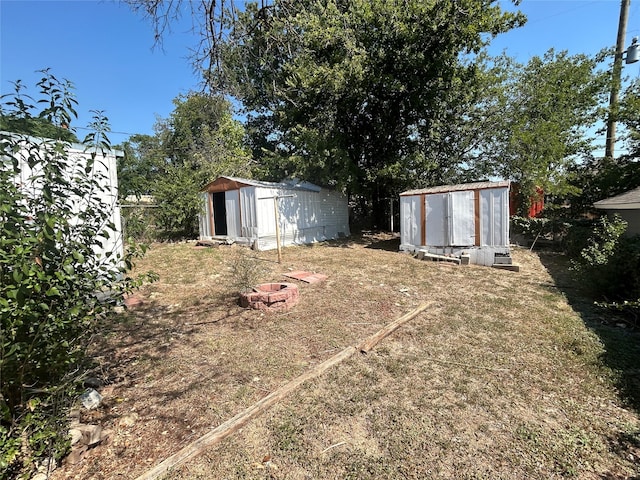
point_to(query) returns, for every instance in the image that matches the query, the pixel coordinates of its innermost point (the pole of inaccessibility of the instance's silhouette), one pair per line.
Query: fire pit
(270, 296)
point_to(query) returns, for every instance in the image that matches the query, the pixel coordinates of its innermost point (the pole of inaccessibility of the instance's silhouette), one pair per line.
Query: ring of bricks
(271, 296)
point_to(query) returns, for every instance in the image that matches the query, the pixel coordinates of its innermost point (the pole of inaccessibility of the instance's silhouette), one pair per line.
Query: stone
(91, 399)
(76, 436)
(91, 434)
(93, 382)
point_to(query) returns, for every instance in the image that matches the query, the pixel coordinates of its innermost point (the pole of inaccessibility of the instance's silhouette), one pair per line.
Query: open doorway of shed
(219, 213)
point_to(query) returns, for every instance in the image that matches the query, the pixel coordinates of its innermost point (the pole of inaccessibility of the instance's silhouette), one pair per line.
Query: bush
(138, 224)
(54, 284)
(608, 263)
(246, 270)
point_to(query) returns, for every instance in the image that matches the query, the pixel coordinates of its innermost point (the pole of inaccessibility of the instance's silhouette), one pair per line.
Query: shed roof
(625, 201)
(457, 188)
(222, 184)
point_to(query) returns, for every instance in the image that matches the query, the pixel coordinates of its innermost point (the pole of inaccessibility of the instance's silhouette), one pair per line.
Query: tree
(597, 178)
(42, 126)
(55, 286)
(540, 116)
(629, 115)
(197, 143)
(140, 165)
(355, 94)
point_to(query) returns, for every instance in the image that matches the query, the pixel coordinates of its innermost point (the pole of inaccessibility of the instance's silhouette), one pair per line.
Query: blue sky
(107, 51)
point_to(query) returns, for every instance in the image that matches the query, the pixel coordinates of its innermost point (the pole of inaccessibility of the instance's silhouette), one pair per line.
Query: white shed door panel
(248, 211)
(232, 205)
(461, 218)
(410, 220)
(436, 219)
(494, 215)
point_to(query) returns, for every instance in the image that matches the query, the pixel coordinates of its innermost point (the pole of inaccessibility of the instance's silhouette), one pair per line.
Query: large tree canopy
(358, 94)
(538, 116)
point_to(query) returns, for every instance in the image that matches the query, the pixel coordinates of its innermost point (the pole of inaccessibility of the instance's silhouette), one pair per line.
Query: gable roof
(458, 188)
(625, 201)
(222, 184)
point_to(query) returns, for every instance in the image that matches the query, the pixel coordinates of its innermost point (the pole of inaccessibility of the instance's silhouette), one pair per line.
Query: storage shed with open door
(244, 211)
(467, 221)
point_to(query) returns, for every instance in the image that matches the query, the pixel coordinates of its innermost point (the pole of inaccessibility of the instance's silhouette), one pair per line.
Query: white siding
(450, 222)
(105, 167)
(437, 213)
(305, 215)
(494, 217)
(410, 230)
(232, 207)
(248, 209)
(461, 218)
(204, 227)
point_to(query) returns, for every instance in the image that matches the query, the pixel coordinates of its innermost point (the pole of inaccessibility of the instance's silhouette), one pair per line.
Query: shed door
(410, 218)
(494, 205)
(219, 213)
(462, 218)
(232, 204)
(436, 219)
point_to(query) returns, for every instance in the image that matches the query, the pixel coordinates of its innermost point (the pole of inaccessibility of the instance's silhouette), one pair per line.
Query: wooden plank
(240, 420)
(230, 426)
(372, 341)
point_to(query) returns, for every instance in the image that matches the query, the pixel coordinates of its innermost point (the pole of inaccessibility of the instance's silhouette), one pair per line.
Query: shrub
(55, 285)
(246, 270)
(609, 263)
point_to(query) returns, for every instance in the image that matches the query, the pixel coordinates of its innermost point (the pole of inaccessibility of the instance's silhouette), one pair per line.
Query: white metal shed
(243, 211)
(104, 167)
(467, 220)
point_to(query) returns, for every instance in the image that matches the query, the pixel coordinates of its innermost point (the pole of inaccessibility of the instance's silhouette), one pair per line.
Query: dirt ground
(507, 376)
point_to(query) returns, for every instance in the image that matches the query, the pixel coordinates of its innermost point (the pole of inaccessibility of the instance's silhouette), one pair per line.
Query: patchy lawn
(507, 376)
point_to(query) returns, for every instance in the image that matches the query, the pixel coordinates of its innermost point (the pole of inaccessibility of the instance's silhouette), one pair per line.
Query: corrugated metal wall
(494, 217)
(248, 206)
(305, 216)
(450, 219)
(410, 230)
(105, 167)
(203, 219)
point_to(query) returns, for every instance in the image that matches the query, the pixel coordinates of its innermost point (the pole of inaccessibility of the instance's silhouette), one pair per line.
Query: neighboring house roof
(457, 188)
(625, 201)
(222, 184)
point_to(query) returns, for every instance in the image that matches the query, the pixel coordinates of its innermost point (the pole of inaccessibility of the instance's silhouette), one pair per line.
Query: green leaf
(53, 292)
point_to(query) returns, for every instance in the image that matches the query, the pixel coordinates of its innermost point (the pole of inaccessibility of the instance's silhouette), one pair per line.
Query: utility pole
(616, 80)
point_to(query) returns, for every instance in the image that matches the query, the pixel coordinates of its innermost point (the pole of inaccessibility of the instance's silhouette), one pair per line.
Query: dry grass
(507, 377)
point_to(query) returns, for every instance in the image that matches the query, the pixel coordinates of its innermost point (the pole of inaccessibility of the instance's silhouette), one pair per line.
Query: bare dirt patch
(502, 378)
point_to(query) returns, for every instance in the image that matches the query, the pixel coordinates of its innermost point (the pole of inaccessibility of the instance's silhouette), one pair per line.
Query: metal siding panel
(265, 214)
(204, 215)
(249, 215)
(485, 217)
(410, 220)
(501, 218)
(462, 218)
(494, 217)
(290, 212)
(306, 217)
(232, 206)
(436, 219)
